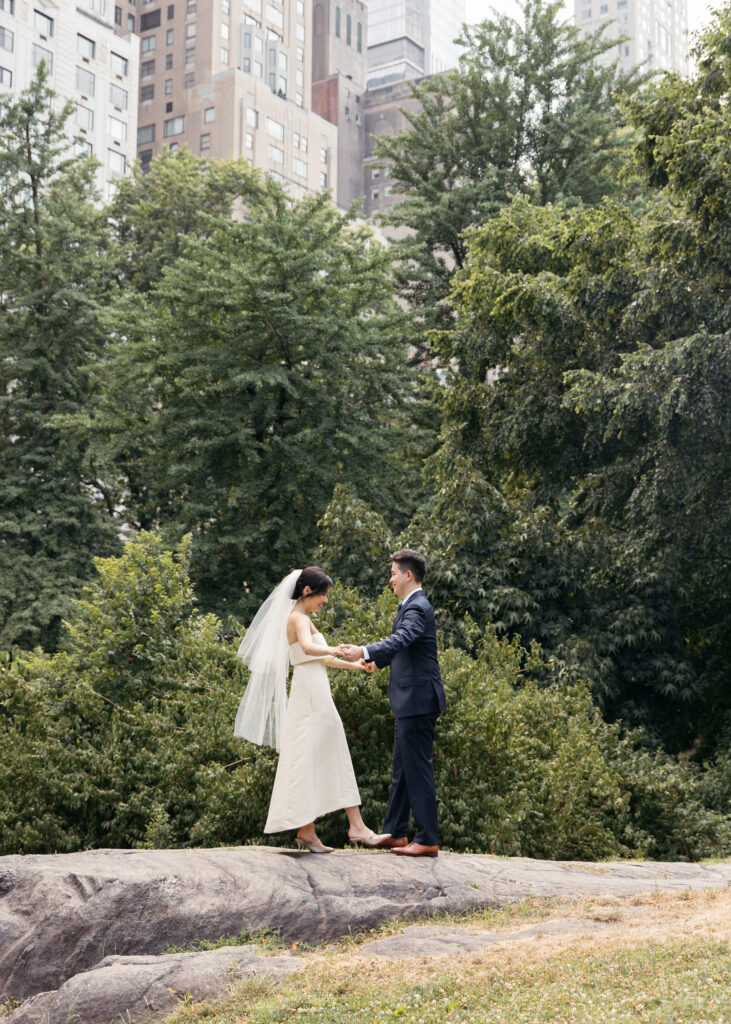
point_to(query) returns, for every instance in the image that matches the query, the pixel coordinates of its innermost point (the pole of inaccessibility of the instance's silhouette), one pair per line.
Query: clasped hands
(351, 652)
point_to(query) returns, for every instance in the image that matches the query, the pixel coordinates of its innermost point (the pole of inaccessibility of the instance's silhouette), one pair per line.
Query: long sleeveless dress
(315, 773)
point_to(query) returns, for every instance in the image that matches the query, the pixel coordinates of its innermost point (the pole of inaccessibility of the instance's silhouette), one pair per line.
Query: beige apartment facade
(87, 63)
(232, 79)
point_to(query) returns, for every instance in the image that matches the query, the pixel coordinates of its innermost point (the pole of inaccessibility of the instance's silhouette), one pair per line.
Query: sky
(698, 15)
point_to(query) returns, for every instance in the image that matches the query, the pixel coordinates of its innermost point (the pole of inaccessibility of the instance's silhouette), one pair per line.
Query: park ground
(656, 958)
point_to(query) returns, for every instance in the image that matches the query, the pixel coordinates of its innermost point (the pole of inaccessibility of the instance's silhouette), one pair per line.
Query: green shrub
(125, 739)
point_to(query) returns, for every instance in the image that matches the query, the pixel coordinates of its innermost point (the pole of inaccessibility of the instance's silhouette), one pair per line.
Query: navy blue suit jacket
(415, 686)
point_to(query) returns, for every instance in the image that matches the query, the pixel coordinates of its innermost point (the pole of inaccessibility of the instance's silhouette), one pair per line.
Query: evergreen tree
(528, 112)
(265, 365)
(53, 240)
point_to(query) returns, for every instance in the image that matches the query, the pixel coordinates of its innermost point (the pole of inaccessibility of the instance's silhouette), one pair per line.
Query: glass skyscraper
(412, 38)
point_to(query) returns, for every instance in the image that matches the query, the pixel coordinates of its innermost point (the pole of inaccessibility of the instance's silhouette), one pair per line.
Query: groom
(416, 695)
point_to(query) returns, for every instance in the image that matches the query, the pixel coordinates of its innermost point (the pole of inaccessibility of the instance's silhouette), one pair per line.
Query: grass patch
(663, 959)
(268, 939)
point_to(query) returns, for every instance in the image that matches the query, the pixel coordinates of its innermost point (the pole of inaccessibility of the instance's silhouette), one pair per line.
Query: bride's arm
(304, 635)
(339, 663)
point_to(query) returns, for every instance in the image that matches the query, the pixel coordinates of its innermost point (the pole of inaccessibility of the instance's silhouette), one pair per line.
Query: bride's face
(314, 602)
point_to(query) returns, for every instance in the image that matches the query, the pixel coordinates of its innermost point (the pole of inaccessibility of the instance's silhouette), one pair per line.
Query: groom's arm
(411, 628)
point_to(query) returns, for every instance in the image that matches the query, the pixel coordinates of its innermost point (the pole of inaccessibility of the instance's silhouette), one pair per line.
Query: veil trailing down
(265, 650)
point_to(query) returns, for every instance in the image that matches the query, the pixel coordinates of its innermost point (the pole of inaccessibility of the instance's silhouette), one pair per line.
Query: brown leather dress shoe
(417, 850)
(389, 843)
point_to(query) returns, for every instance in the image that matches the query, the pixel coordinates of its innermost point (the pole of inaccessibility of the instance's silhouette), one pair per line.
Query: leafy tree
(588, 366)
(53, 520)
(266, 365)
(528, 112)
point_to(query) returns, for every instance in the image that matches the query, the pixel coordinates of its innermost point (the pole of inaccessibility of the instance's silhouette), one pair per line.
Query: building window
(191, 7)
(246, 65)
(168, 86)
(348, 28)
(42, 23)
(374, 193)
(299, 77)
(147, 93)
(6, 77)
(252, 117)
(119, 64)
(283, 62)
(224, 55)
(190, 56)
(300, 32)
(41, 54)
(147, 69)
(173, 147)
(275, 129)
(169, 37)
(98, 6)
(323, 156)
(148, 43)
(299, 99)
(168, 62)
(190, 30)
(258, 69)
(85, 81)
(84, 118)
(226, 6)
(249, 140)
(301, 8)
(82, 148)
(604, 9)
(586, 14)
(209, 115)
(359, 36)
(272, 82)
(145, 160)
(117, 129)
(323, 179)
(145, 134)
(300, 54)
(174, 126)
(276, 17)
(337, 22)
(299, 167)
(86, 47)
(171, 11)
(206, 140)
(117, 15)
(130, 22)
(189, 80)
(118, 96)
(225, 31)
(116, 161)
(149, 21)
(9, 7)
(276, 154)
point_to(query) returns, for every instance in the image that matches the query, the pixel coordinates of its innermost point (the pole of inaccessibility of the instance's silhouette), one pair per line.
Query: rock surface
(60, 915)
(422, 940)
(146, 988)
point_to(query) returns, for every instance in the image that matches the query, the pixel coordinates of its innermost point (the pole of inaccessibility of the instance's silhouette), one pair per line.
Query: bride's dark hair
(313, 577)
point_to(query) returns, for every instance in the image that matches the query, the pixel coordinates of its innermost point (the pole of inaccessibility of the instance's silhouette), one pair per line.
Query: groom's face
(400, 581)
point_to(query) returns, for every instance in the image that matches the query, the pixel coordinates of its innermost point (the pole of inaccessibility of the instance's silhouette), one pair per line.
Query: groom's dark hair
(409, 559)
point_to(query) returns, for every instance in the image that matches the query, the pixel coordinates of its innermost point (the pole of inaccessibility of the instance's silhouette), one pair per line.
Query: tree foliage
(529, 111)
(53, 285)
(126, 739)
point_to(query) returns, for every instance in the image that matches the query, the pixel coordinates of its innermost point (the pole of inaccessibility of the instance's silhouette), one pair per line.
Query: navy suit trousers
(413, 787)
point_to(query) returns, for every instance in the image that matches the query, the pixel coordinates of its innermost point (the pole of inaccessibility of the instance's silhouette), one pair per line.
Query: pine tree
(52, 238)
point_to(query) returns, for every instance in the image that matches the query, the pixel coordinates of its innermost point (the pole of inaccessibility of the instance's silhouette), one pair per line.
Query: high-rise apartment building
(339, 69)
(87, 63)
(656, 30)
(412, 38)
(234, 79)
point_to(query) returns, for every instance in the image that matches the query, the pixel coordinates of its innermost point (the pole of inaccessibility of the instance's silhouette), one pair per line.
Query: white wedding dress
(315, 773)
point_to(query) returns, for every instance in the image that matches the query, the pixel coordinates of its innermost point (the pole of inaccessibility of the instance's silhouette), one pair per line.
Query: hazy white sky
(698, 15)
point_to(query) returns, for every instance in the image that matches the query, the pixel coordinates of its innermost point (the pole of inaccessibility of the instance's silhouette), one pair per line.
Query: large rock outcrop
(146, 988)
(61, 915)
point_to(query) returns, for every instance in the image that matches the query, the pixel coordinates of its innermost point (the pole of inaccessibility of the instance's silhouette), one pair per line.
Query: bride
(315, 773)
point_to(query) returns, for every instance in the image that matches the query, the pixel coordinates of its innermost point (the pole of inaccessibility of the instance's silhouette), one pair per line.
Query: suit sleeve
(410, 628)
